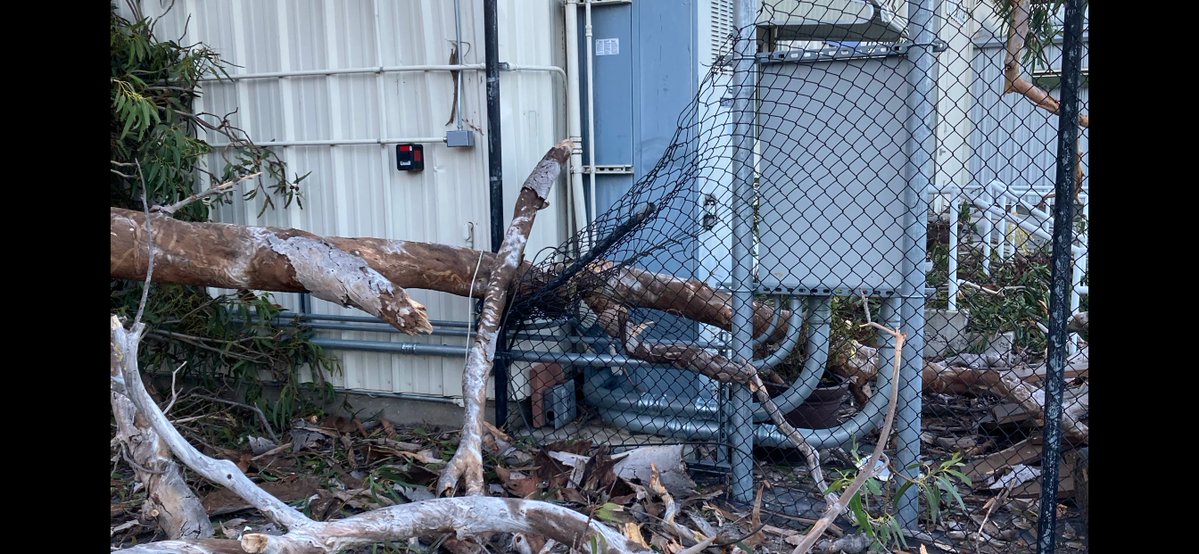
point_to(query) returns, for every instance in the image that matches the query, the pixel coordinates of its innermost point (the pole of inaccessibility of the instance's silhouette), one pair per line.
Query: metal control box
(831, 203)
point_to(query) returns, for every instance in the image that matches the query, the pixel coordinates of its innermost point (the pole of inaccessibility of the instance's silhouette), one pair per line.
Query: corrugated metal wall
(1013, 140)
(355, 190)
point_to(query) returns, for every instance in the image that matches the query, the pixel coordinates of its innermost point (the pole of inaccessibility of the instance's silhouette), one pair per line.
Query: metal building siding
(355, 190)
(1014, 141)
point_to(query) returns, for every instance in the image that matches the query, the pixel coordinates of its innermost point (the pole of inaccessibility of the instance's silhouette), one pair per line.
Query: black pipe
(1059, 303)
(495, 177)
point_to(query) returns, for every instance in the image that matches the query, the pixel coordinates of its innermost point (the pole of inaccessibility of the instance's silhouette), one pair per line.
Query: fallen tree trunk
(465, 516)
(467, 463)
(1079, 322)
(234, 256)
(1018, 385)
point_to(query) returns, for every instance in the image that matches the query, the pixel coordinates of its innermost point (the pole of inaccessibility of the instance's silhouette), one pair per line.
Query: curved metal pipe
(774, 321)
(361, 319)
(819, 319)
(686, 425)
(819, 316)
(620, 400)
(789, 343)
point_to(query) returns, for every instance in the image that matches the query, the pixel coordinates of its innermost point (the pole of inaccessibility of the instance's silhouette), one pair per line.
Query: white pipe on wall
(954, 207)
(380, 69)
(574, 124)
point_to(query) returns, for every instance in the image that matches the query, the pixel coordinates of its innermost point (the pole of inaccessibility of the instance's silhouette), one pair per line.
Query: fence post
(745, 115)
(921, 103)
(1060, 286)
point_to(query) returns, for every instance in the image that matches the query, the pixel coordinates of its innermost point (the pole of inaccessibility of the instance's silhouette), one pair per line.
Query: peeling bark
(204, 546)
(204, 254)
(170, 502)
(234, 256)
(1008, 385)
(465, 517)
(1079, 322)
(467, 463)
(126, 375)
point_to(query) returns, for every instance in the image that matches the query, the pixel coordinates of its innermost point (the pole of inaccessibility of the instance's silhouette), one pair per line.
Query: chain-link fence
(847, 162)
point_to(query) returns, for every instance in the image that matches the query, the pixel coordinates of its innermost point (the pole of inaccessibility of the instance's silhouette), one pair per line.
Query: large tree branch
(465, 516)
(169, 500)
(1018, 29)
(234, 256)
(467, 463)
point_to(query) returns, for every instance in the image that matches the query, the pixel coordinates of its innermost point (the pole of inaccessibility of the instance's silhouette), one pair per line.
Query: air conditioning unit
(856, 20)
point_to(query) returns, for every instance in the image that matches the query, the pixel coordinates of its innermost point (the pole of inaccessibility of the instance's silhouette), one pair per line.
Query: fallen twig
(835, 509)
(266, 424)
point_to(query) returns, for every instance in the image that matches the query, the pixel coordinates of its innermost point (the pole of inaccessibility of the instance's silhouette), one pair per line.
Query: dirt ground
(335, 467)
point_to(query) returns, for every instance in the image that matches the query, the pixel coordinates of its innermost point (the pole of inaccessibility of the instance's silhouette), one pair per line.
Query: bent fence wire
(892, 170)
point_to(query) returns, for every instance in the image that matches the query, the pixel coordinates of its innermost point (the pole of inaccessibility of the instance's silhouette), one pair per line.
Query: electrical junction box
(560, 405)
(460, 138)
(832, 169)
(410, 157)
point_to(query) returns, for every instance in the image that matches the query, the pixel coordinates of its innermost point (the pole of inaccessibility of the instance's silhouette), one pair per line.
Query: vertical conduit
(590, 109)
(741, 410)
(954, 207)
(921, 103)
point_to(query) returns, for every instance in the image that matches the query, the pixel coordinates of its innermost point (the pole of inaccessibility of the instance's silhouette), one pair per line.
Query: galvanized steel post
(744, 117)
(1059, 300)
(921, 103)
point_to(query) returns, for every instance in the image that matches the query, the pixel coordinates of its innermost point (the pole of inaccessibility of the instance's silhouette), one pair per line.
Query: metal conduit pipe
(420, 349)
(865, 421)
(372, 319)
(788, 344)
(809, 378)
(384, 328)
(380, 69)
(452, 332)
(633, 401)
(458, 53)
(386, 346)
(774, 323)
(819, 316)
(574, 125)
(361, 319)
(590, 110)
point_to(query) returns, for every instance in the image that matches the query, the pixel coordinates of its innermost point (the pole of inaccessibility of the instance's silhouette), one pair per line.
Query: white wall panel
(355, 190)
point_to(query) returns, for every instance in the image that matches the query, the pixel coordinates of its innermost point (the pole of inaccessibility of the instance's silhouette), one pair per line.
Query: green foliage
(1041, 28)
(1017, 296)
(153, 89)
(872, 507)
(157, 154)
(1021, 301)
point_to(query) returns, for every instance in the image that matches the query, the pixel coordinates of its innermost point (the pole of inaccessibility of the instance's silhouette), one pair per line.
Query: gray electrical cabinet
(832, 171)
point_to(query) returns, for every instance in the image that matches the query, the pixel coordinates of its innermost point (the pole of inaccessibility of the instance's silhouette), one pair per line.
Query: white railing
(999, 211)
